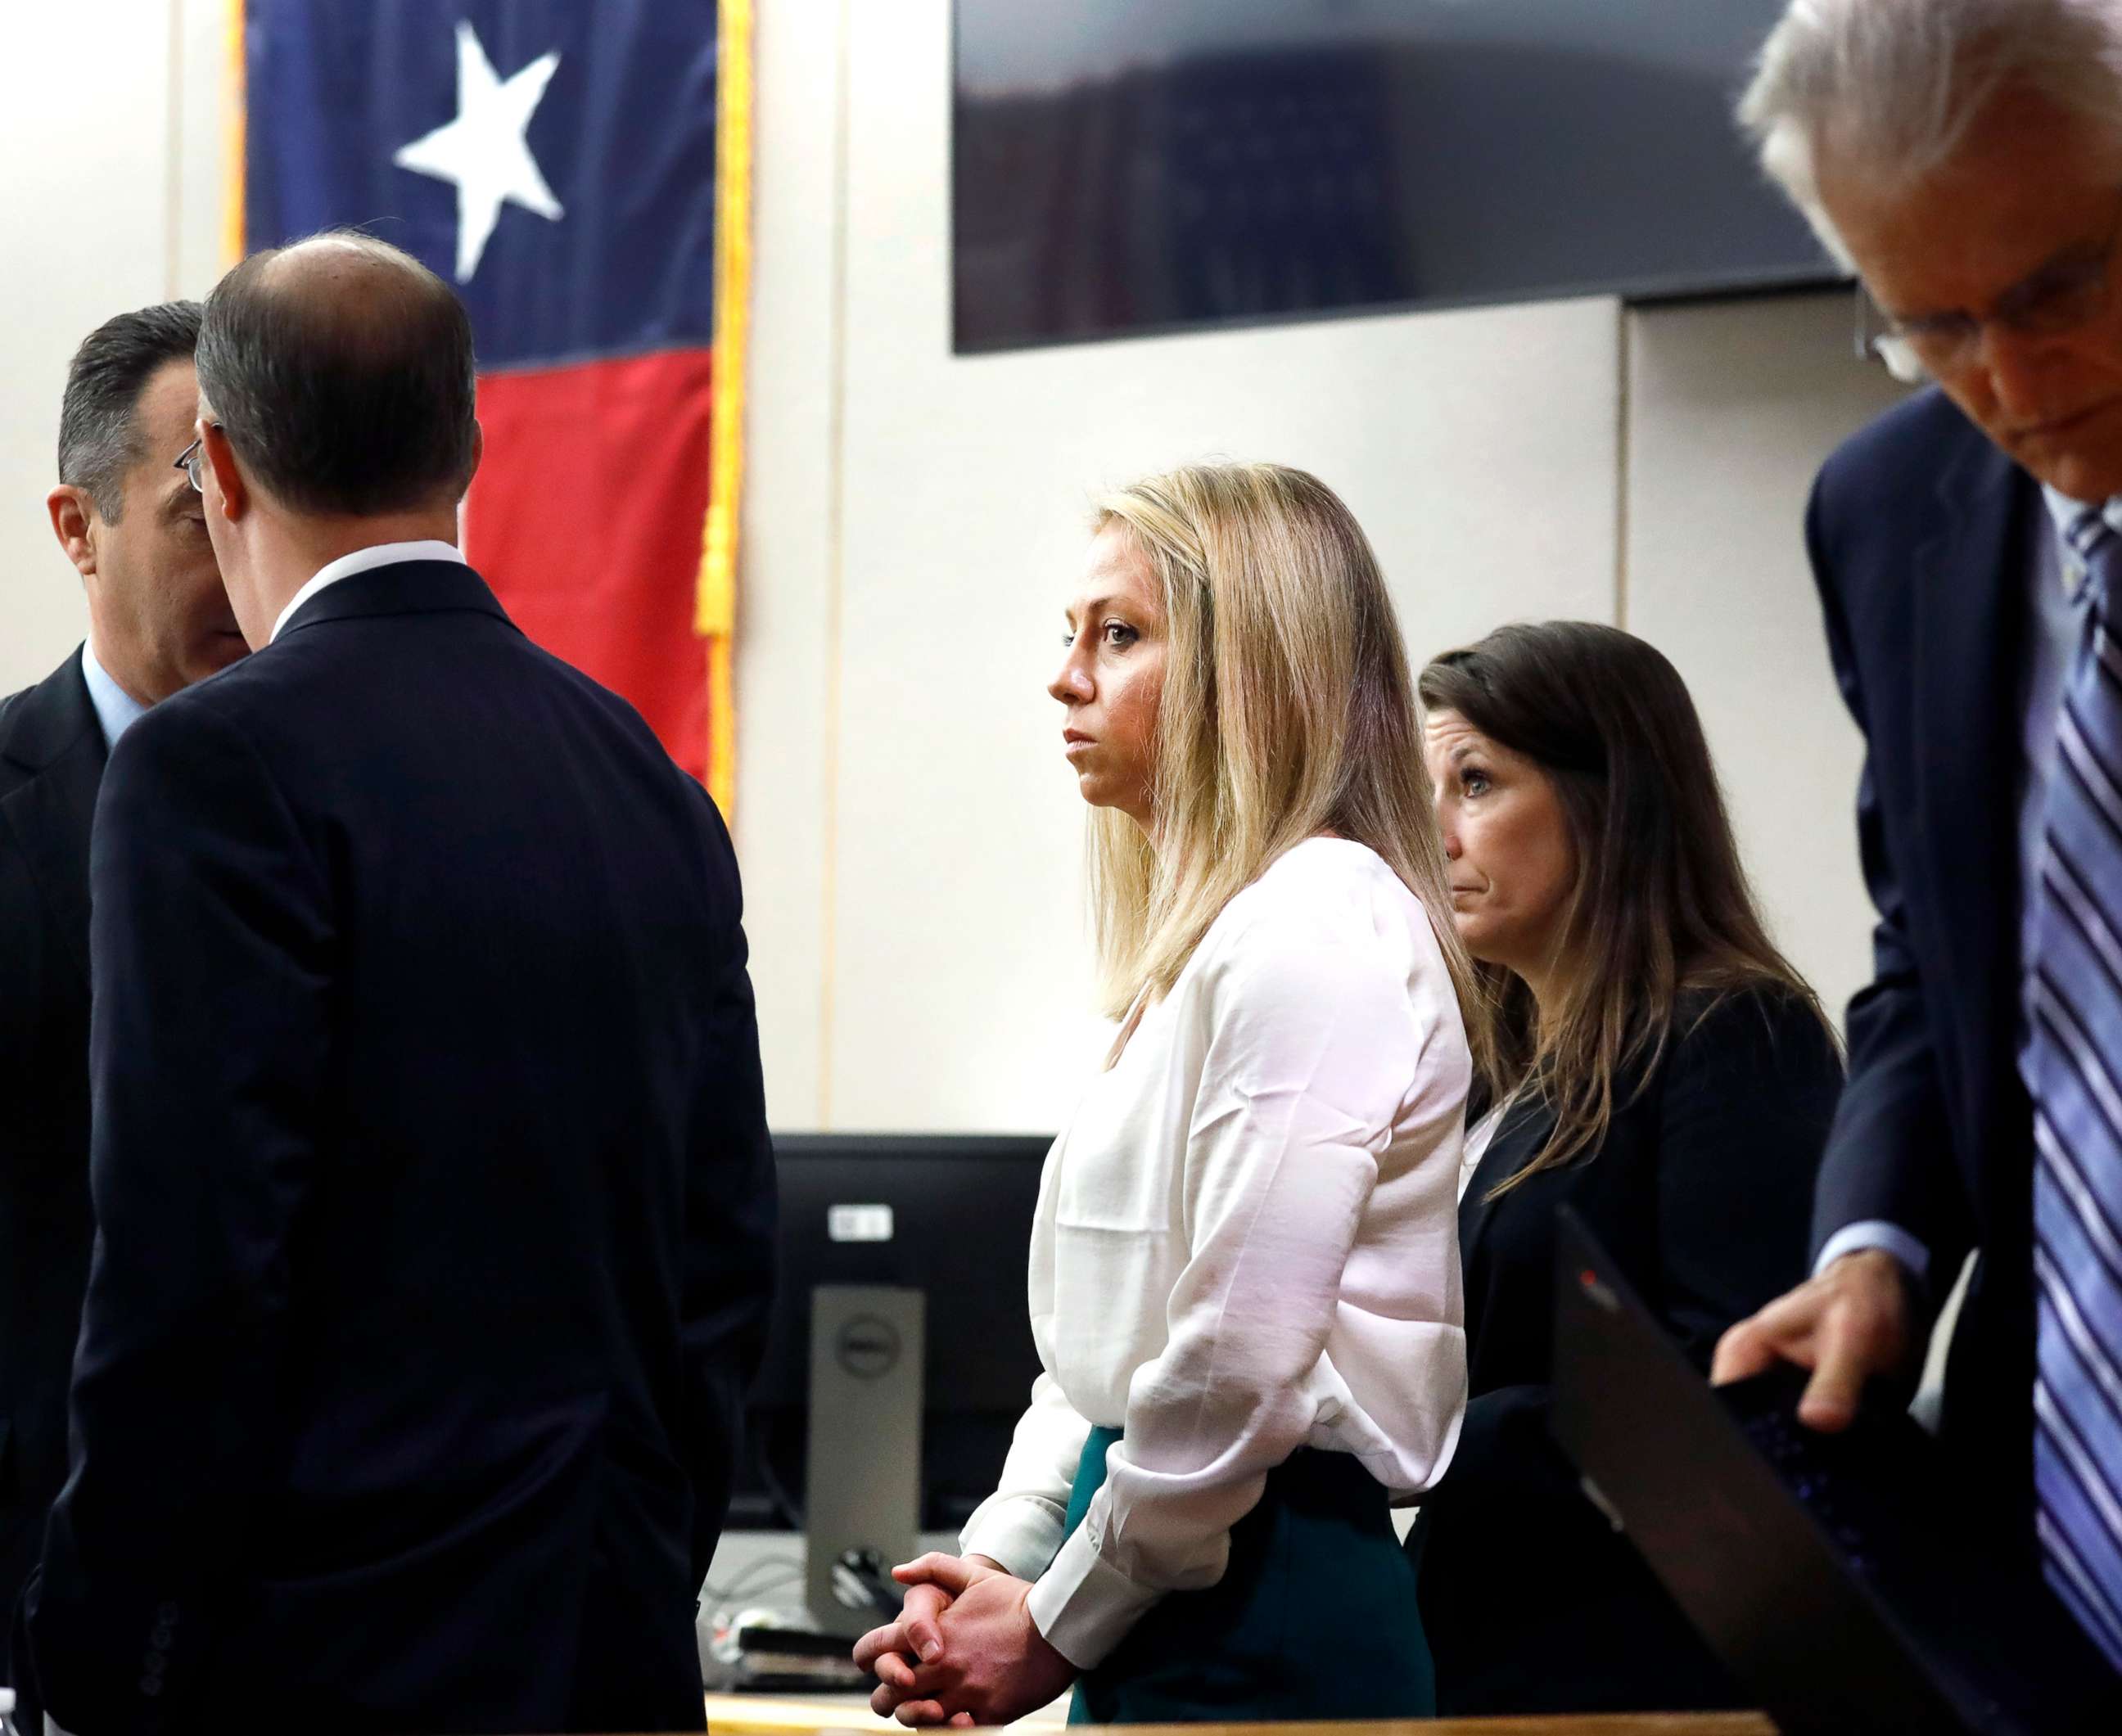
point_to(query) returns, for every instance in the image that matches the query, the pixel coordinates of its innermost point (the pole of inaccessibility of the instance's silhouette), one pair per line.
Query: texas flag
(555, 159)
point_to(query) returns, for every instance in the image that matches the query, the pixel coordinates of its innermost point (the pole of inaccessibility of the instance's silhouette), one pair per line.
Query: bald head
(341, 370)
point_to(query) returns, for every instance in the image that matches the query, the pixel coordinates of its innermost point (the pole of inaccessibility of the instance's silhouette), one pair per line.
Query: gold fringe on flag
(716, 617)
(232, 247)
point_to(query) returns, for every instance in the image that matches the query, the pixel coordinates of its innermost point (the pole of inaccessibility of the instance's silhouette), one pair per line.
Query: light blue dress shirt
(115, 709)
(2056, 601)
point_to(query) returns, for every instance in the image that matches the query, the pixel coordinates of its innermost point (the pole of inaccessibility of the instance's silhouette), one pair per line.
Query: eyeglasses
(2061, 297)
(191, 460)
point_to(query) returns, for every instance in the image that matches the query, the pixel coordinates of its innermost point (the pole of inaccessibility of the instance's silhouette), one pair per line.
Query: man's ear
(72, 523)
(229, 483)
(478, 452)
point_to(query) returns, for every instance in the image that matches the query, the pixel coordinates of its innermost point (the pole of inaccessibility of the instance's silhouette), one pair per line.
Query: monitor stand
(862, 1494)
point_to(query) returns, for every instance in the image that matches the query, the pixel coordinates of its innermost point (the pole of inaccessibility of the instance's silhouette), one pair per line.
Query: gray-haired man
(158, 620)
(1966, 156)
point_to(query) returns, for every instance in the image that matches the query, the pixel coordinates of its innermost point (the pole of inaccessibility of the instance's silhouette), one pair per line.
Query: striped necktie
(2074, 1071)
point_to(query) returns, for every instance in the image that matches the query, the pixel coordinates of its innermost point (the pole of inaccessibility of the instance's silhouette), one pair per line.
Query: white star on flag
(484, 150)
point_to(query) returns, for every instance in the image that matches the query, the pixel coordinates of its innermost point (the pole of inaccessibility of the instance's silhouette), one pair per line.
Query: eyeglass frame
(193, 457)
(1940, 344)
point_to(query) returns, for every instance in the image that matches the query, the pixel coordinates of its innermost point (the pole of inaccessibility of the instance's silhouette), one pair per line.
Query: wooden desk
(1660, 1724)
(806, 1714)
(763, 1714)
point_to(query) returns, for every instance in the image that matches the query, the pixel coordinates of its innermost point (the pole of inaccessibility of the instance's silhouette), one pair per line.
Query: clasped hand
(964, 1649)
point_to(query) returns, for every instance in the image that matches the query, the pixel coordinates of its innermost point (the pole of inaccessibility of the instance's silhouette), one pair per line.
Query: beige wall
(910, 837)
(111, 127)
(1730, 409)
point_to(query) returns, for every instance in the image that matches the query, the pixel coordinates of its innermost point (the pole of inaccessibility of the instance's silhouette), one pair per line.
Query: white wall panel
(1732, 407)
(84, 234)
(788, 579)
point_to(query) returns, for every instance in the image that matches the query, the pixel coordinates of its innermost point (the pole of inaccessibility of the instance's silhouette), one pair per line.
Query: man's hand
(892, 1653)
(993, 1666)
(1852, 1323)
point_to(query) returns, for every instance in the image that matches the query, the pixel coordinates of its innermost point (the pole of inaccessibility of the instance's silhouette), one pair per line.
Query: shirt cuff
(1876, 1233)
(1022, 1534)
(1084, 1605)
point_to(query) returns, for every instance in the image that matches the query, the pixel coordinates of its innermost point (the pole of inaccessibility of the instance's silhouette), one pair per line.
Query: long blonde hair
(1286, 712)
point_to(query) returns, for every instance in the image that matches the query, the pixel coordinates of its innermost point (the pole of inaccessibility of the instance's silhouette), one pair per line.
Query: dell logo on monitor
(868, 1347)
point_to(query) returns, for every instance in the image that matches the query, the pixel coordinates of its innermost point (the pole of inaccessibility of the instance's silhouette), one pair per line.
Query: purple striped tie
(2074, 1071)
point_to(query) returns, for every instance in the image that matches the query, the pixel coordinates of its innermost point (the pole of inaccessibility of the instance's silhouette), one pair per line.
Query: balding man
(158, 620)
(433, 1196)
(1968, 158)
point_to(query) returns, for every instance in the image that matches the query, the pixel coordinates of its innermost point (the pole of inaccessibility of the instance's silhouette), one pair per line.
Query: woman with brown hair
(1647, 1057)
(1243, 1284)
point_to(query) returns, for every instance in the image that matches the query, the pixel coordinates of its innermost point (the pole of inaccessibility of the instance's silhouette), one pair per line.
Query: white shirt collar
(114, 707)
(2064, 512)
(364, 560)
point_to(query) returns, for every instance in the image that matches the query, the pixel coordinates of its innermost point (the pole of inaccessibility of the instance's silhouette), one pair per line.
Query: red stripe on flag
(585, 518)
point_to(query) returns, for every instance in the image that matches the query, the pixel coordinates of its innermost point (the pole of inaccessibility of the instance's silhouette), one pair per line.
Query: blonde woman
(1244, 1281)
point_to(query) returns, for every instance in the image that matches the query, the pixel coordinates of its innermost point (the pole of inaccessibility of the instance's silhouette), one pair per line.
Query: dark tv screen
(1128, 166)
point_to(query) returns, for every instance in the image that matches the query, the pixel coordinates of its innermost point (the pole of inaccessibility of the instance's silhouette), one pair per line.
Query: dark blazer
(1530, 1600)
(433, 1196)
(1919, 531)
(51, 762)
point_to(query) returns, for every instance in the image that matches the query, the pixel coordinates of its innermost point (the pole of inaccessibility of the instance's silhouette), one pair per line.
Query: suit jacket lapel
(1970, 627)
(1524, 1125)
(56, 739)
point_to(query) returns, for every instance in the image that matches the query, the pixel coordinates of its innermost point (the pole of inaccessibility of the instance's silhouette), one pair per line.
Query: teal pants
(1314, 1618)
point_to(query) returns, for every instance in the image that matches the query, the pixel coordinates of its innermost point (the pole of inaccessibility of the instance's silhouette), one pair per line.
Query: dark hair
(342, 374)
(99, 428)
(1660, 902)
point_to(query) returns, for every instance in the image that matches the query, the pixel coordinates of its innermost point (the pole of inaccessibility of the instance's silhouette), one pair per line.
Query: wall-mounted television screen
(1128, 166)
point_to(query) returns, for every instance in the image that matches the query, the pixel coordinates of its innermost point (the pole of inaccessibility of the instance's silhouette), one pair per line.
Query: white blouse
(1246, 1243)
(1479, 1138)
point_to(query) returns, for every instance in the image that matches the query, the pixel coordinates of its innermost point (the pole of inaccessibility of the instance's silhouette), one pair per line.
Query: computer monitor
(949, 1215)
(1119, 169)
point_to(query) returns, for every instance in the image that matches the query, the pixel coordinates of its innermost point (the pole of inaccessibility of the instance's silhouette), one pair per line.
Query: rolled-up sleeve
(1020, 1525)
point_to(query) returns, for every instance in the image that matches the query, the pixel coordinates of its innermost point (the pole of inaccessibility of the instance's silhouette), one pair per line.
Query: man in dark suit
(158, 620)
(1970, 160)
(434, 1204)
